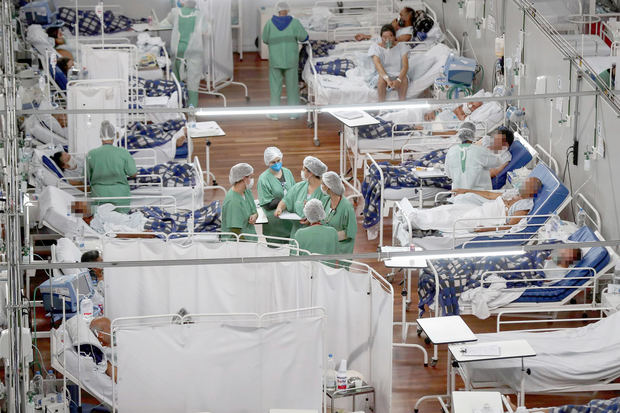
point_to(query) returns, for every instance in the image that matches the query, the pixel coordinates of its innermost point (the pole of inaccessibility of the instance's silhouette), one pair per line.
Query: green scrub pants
(186, 28)
(291, 77)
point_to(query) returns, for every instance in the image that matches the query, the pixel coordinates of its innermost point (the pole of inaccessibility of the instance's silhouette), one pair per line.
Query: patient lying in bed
(149, 219)
(482, 210)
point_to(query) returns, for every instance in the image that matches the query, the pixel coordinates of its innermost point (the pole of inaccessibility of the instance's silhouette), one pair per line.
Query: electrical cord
(569, 152)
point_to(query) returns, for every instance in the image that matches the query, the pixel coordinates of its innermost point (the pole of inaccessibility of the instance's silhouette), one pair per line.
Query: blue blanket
(457, 275)
(593, 406)
(151, 135)
(90, 25)
(169, 174)
(337, 67)
(398, 176)
(320, 48)
(383, 129)
(206, 219)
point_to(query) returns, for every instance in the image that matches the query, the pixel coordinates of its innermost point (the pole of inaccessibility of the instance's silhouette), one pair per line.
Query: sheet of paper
(290, 215)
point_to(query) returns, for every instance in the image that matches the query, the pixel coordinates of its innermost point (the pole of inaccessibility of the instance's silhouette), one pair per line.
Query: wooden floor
(245, 141)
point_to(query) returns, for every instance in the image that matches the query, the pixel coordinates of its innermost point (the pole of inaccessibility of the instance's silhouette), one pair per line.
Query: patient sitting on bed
(483, 210)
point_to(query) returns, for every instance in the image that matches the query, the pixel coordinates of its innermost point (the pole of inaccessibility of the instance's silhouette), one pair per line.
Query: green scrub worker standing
(317, 238)
(108, 167)
(340, 214)
(273, 185)
(239, 211)
(282, 34)
(309, 188)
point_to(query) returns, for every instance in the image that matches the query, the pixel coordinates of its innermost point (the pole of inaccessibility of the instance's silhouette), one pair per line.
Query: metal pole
(16, 394)
(576, 122)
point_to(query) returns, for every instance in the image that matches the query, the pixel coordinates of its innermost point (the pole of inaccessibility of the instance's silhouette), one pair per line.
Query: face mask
(277, 166)
(401, 22)
(303, 175)
(251, 184)
(388, 44)
(72, 164)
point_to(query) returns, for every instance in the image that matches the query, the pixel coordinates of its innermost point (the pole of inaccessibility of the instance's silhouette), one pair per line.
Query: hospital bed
(581, 359)
(397, 130)
(552, 198)
(518, 283)
(387, 198)
(352, 85)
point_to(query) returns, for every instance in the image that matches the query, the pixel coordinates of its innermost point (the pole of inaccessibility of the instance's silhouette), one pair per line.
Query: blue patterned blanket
(461, 274)
(169, 174)
(398, 176)
(151, 135)
(90, 24)
(593, 406)
(206, 219)
(337, 67)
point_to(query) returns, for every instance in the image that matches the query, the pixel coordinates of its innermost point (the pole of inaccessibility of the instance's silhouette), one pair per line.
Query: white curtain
(358, 307)
(84, 130)
(222, 365)
(219, 52)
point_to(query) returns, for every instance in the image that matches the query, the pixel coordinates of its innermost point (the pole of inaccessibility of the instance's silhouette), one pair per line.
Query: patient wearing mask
(403, 25)
(391, 62)
(72, 166)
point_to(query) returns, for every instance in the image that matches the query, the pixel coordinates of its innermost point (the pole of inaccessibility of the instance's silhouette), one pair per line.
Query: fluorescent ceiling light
(457, 254)
(376, 106)
(276, 110)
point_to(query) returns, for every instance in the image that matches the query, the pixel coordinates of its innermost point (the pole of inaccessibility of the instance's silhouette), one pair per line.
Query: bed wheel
(247, 98)
(214, 182)
(415, 410)
(310, 124)
(427, 340)
(433, 362)
(316, 142)
(425, 364)
(584, 315)
(419, 332)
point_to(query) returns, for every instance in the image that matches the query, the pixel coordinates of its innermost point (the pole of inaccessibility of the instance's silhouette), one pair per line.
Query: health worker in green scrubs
(273, 185)
(239, 210)
(282, 34)
(108, 167)
(309, 188)
(340, 214)
(187, 42)
(316, 238)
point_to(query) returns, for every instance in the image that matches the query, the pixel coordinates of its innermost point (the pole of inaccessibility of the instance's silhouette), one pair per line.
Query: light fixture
(276, 110)
(461, 253)
(376, 106)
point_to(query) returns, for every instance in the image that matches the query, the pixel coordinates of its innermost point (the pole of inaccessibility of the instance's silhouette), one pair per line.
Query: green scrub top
(343, 219)
(270, 188)
(236, 211)
(283, 48)
(108, 167)
(296, 199)
(318, 239)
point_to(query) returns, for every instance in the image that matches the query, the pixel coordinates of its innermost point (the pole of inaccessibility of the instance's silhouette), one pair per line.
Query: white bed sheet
(354, 88)
(564, 358)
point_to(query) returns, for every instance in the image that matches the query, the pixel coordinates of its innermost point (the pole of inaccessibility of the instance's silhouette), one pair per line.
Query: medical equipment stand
(507, 350)
(406, 264)
(364, 119)
(445, 330)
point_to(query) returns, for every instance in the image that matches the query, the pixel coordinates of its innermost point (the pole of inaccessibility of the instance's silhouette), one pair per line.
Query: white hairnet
(468, 125)
(466, 135)
(107, 131)
(332, 180)
(315, 166)
(272, 153)
(239, 171)
(314, 211)
(281, 6)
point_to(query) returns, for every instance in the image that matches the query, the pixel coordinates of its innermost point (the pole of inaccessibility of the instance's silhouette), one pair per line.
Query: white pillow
(55, 199)
(67, 251)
